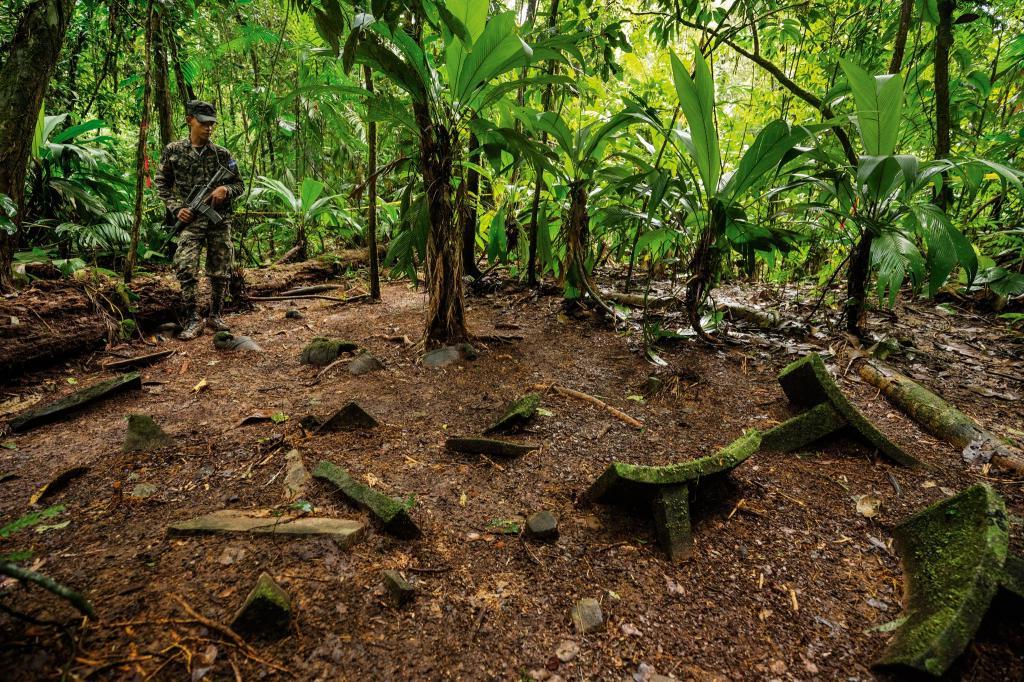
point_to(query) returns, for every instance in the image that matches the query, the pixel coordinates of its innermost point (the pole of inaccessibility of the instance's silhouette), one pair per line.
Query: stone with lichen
(322, 351)
(266, 612)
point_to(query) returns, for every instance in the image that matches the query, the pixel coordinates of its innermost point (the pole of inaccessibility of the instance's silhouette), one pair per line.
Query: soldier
(184, 166)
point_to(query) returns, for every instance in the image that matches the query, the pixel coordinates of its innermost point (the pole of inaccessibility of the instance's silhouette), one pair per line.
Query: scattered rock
(392, 513)
(322, 351)
(400, 590)
(228, 341)
(266, 613)
(517, 413)
(296, 478)
(294, 314)
(38, 416)
(141, 491)
(345, 532)
(442, 357)
(587, 616)
(543, 526)
(144, 435)
(567, 650)
(349, 418)
(364, 363)
(231, 555)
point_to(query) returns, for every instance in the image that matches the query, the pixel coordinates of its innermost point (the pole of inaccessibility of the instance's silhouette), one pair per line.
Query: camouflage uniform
(183, 168)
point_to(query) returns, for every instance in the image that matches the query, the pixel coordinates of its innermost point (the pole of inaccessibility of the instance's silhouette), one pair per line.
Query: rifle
(197, 203)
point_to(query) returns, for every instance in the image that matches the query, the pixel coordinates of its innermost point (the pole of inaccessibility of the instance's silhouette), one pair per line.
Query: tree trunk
(24, 76)
(857, 284)
(704, 265)
(577, 228)
(900, 45)
(469, 191)
(161, 84)
(185, 92)
(446, 312)
(140, 149)
(371, 195)
(943, 138)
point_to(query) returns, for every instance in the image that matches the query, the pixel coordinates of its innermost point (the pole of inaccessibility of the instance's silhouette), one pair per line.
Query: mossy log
(78, 400)
(60, 319)
(489, 446)
(803, 429)
(953, 555)
(667, 489)
(807, 382)
(391, 513)
(517, 413)
(938, 417)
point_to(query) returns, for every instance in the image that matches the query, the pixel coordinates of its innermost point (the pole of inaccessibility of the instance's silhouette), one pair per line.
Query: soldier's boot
(193, 326)
(193, 322)
(215, 321)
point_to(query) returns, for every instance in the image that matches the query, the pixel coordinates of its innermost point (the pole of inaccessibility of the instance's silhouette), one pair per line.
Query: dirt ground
(788, 580)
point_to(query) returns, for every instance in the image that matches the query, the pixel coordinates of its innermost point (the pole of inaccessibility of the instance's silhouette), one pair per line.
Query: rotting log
(938, 417)
(490, 446)
(667, 489)
(953, 554)
(57, 320)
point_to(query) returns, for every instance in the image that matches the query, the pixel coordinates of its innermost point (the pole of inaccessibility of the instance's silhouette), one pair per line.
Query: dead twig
(568, 392)
(227, 632)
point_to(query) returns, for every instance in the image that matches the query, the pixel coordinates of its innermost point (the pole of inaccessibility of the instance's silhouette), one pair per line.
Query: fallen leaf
(868, 505)
(201, 386)
(261, 416)
(279, 417)
(54, 526)
(462, 500)
(545, 412)
(58, 483)
(928, 484)
(371, 480)
(72, 381)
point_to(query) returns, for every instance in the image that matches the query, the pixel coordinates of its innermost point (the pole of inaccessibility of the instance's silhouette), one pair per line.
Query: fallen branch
(939, 417)
(300, 297)
(48, 583)
(315, 289)
(568, 392)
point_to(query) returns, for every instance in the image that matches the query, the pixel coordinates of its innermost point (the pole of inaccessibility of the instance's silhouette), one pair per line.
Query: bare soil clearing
(786, 581)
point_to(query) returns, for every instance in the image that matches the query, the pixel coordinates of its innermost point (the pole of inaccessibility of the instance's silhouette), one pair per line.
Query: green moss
(953, 554)
(144, 434)
(807, 383)
(727, 458)
(266, 611)
(516, 414)
(392, 513)
(671, 510)
(803, 429)
(323, 351)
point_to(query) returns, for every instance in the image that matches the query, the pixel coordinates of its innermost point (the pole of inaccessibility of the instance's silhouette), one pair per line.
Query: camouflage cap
(203, 111)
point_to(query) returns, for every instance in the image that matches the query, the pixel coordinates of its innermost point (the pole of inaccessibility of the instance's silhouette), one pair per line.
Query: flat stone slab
(391, 513)
(542, 526)
(82, 398)
(323, 351)
(802, 430)
(489, 446)
(266, 612)
(807, 383)
(144, 435)
(587, 617)
(351, 417)
(343, 531)
(953, 556)
(516, 414)
(442, 357)
(296, 477)
(667, 489)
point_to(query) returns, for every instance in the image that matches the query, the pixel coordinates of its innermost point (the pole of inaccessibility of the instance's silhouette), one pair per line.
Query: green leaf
(879, 102)
(279, 417)
(30, 520)
(697, 101)
(309, 191)
(765, 154)
(497, 50)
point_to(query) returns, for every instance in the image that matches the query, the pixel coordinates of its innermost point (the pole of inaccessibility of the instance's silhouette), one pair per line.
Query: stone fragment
(517, 413)
(671, 509)
(803, 429)
(953, 555)
(51, 412)
(1013, 576)
(447, 355)
(266, 612)
(137, 361)
(323, 351)
(144, 435)
(296, 477)
(294, 314)
(542, 525)
(399, 589)
(141, 491)
(345, 532)
(587, 616)
(567, 650)
(364, 363)
(228, 341)
(489, 446)
(349, 418)
(391, 513)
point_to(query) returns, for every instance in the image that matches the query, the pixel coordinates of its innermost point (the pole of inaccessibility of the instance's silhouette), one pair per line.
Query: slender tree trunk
(900, 45)
(577, 229)
(161, 84)
(32, 54)
(446, 312)
(185, 92)
(469, 191)
(943, 138)
(857, 285)
(371, 195)
(140, 150)
(704, 265)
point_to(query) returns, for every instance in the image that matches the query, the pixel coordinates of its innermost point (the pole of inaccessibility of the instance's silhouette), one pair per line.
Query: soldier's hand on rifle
(185, 215)
(219, 195)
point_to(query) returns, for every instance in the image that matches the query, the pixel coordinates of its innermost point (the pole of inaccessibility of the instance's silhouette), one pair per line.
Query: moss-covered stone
(803, 429)
(1013, 576)
(490, 446)
(229, 342)
(323, 351)
(670, 507)
(266, 612)
(807, 383)
(144, 435)
(517, 413)
(59, 409)
(351, 417)
(399, 589)
(391, 513)
(953, 554)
